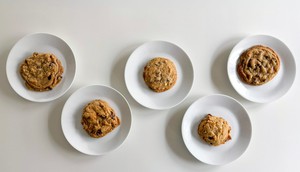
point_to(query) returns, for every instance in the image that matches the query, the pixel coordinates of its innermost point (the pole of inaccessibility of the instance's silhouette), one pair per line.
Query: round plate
(273, 89)
(137, 86)
(43, 43)
(227, 108)
(72, 113)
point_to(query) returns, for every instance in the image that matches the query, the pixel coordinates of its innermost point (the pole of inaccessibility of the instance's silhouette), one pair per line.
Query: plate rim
(231, 78)
(205, 97)
(103, 86)
(188, 59)
(45, 99)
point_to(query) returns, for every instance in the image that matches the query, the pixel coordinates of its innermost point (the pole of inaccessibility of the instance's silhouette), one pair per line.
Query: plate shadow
(117, 75)
(5, 87)
(219, 72)
(173, 131)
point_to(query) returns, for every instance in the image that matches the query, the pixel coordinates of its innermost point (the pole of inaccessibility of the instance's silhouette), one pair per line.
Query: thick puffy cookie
(214, 130)
(160, 74)
(258, 65)
(98, 118)
(41, 71)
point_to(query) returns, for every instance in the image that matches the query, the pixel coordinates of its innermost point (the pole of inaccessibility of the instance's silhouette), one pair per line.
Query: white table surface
(102, 35)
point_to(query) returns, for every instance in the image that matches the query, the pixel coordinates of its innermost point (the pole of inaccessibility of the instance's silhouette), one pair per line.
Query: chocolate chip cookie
(214, 130)
(258, 65)
(98, 118)
(41, 71)
(160, 74)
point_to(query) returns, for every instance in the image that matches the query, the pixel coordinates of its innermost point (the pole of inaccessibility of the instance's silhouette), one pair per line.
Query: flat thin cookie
(258, 65)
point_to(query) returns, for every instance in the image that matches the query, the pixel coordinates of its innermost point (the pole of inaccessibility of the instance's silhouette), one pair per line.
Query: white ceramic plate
(44, 43)
(233, 112)
(273, 89)
(72, 113)
(136, 84)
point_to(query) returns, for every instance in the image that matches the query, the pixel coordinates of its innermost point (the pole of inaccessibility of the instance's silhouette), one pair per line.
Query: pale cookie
(160, 74)
(41, 71)
(258, 65)
(214, 130)
(98, 118)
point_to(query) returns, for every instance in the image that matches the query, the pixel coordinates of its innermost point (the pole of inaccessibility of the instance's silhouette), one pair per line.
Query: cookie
(160, 74)
(98, 118)
(41, 71)
(214, 130)
(258, 65)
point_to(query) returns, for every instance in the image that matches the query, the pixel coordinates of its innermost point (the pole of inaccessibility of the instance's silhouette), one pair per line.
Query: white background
(102, 35)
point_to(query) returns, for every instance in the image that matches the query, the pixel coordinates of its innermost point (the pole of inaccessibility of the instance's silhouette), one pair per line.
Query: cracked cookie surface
(99, 119)
(41, 71)
(214, 130)
(258, 65)
(160, 74)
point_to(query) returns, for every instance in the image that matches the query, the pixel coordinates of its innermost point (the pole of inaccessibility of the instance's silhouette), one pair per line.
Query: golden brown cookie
(214, 130)
(160, 74)
(98, 118)
(258, 65)
(41, 71)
